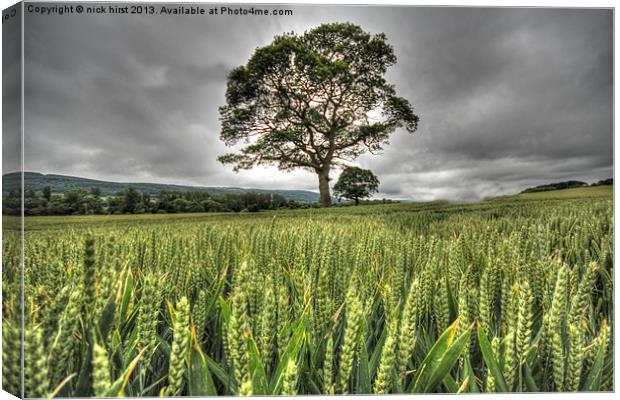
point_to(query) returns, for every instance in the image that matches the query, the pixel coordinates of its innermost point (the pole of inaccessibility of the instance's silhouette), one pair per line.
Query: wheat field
(511, 294)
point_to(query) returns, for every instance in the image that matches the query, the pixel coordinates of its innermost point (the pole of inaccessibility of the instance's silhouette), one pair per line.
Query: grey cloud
(507, 97)
(11, 92)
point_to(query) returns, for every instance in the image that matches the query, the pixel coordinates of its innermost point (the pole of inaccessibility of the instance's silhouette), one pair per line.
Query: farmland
(510, 294)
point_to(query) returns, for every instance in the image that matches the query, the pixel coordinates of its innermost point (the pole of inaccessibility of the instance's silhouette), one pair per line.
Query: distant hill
(605, 182)
(566, 185)
(62, 183)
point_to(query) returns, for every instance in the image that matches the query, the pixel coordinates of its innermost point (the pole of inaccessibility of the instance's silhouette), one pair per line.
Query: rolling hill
(62, 183)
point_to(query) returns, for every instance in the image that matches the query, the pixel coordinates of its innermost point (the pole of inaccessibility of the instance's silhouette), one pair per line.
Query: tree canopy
(313, 101)
(355, 183)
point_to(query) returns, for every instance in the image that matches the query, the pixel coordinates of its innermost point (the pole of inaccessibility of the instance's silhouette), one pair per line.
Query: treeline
(567, 185)
(606, 182)
(131, 201)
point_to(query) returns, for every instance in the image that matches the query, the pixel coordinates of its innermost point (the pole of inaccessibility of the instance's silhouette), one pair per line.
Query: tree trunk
(357, 201)
(325, 197)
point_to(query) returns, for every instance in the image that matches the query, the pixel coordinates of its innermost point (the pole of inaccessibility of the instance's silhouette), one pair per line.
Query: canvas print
(253, 199)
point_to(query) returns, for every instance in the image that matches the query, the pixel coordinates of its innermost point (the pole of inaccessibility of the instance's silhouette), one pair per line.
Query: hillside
(573, 193)
(567, 185)
(62, 183)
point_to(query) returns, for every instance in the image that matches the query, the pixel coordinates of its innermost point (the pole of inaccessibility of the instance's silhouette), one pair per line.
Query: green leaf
(491, 361)
(292, 350)
(200, 380)
(469, 372)
(215, 294)
(364, 373)
(312, 386)
(257, 369)
(106, 321)
(434, 355)
(450, 384)
(126, 298)
(531, 355)
(118, 387)
(594, 378)
(84, 378)
(451, 303)
(224, 311)
(156, 384)
(61, 385)
(463, 386)
(443, 367)
(376, 354)
(163, 346)
(529, 380)
(219, 372)
(439, 360)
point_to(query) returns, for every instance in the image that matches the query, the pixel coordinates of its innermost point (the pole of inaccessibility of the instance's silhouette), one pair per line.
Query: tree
(47, 193)
(313, 101)
(95, 191)
(146, 201)
(94, 204)
(74, 200)
(356, 183)
(131, 200)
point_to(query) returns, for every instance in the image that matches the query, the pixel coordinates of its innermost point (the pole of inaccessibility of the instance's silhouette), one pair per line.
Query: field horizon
(59, 183)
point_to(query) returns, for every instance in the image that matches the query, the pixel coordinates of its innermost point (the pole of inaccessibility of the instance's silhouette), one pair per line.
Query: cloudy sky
(508, 98)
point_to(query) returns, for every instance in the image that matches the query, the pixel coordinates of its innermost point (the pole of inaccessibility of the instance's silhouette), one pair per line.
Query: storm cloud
(508, 98)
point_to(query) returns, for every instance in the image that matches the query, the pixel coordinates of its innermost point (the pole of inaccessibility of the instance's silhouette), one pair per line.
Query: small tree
(95, 191)
(313, 101)
(356, 183)
(47, 193)
(131, 199)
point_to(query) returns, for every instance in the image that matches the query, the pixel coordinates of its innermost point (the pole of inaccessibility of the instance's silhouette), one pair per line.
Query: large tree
(313, 101)
(356, 183)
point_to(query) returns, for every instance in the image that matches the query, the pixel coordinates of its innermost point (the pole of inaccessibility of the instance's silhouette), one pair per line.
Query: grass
(509, 294)
(576, 193)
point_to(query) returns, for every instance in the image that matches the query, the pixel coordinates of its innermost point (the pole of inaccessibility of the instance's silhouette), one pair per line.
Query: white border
(479, 3)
